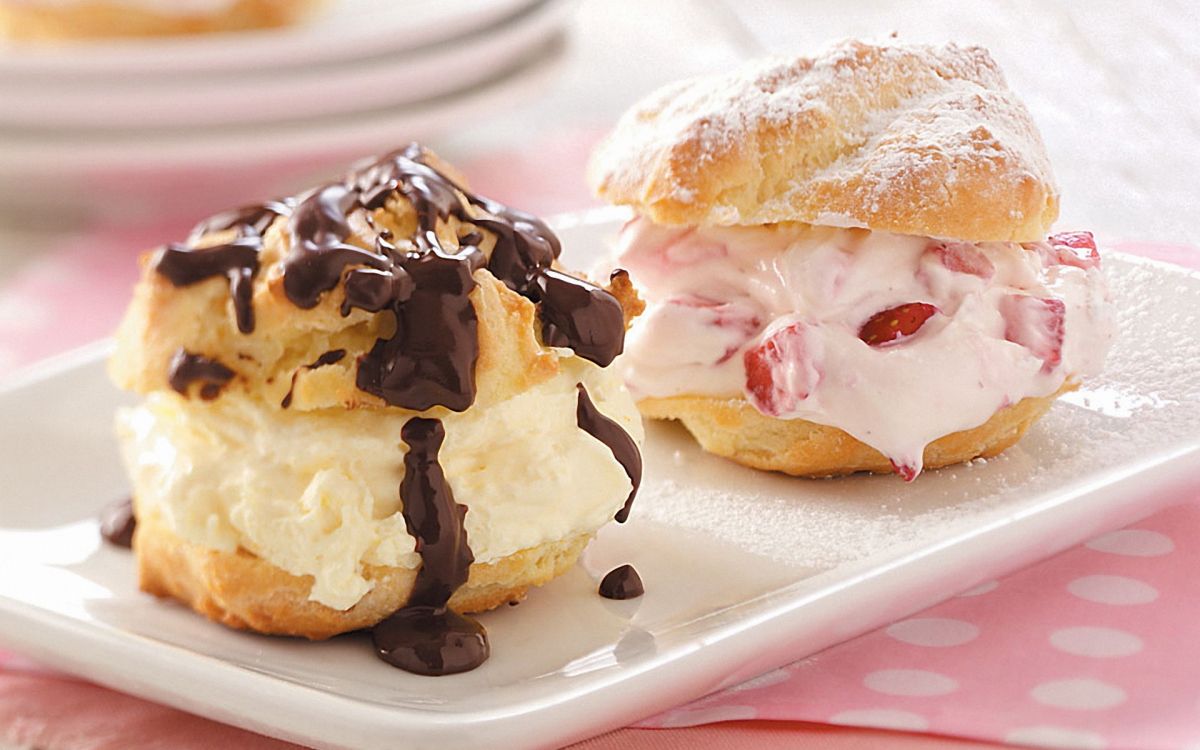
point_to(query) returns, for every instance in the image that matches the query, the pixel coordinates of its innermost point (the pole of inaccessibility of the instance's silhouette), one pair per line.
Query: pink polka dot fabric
(1094, 648)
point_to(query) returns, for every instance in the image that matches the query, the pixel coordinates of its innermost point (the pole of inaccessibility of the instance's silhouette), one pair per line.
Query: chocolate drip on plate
(117, 523)
(607, 431)
(622, 583)
(425, 637)
(431, 641)
(237, 260)
(187, 368)
(328, 358)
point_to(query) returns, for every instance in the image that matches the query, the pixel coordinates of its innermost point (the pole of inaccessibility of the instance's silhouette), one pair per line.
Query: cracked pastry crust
(906, 139)
(98, 19)
(734, 429)
(270, 361)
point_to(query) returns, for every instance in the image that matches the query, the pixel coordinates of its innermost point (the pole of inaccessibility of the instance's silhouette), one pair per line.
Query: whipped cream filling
(316, 493)
(782, 315)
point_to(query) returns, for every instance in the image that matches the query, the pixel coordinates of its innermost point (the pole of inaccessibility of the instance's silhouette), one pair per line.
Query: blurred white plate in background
(103, 102)
(64, 180)
(345, 29)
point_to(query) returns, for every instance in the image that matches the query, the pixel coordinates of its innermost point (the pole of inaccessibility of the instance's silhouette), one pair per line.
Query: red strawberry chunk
(906, 472)
(963, 257)
(896, 323)
(1075, 249)
(780, 371)
(1036, 324)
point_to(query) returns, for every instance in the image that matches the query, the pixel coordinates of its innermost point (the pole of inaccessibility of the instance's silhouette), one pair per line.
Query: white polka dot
(933, 631)
(881, 718)
(697, 716)
(1083, 694)
(981, 589)
(910, 682)
(1057, 737)
(1134, 543)
(1100, 643)
(1119, 590)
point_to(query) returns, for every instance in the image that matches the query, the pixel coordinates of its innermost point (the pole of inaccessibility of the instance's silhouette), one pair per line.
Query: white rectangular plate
(744, 571)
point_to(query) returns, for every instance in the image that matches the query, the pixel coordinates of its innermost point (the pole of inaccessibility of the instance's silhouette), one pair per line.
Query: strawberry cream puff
(846, 261)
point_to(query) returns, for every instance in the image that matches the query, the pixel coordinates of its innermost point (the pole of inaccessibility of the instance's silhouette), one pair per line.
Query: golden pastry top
(910, 139)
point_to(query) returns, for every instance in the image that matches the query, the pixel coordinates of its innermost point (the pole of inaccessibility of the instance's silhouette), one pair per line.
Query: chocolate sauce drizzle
(187, 368)
(430, 360)
(425, 636)
(237, 259)
(117, 523)
(624, 450)
(328, 358)
(622, 583)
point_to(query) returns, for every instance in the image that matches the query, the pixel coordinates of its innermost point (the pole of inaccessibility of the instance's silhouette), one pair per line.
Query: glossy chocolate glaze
(430, 360)
(328, 358)
(623, 448)
(425, 636)
(580, 316)
(237, 260)
(319, 252)
(622, 583)
(117, 523)
(187, 368)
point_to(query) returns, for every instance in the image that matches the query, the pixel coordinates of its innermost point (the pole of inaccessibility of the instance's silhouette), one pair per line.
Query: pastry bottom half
(243, 591)
(732, 428)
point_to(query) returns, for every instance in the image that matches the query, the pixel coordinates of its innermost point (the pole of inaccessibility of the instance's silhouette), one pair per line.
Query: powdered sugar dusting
(886, 130)
(1148, 399)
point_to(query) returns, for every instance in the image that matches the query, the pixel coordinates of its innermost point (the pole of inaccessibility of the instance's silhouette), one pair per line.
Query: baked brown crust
(736, 430)
(270, 361)
(242, 591)
(100, 19)
(901, 138)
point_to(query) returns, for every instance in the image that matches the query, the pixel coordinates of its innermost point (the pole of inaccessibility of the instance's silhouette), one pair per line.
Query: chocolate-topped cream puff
(846, 262)
(380, 400)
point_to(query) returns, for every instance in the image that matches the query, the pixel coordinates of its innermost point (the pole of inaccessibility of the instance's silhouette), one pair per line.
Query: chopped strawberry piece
(896, 323)
(963, 257)
(1036, 324)
(906, 472)
(780, 371)
(1075, 249)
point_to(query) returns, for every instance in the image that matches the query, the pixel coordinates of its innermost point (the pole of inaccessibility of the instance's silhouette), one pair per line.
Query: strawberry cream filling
(897, 340)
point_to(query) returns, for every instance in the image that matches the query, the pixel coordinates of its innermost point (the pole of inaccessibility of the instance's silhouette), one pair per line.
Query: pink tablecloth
(1091, 649)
